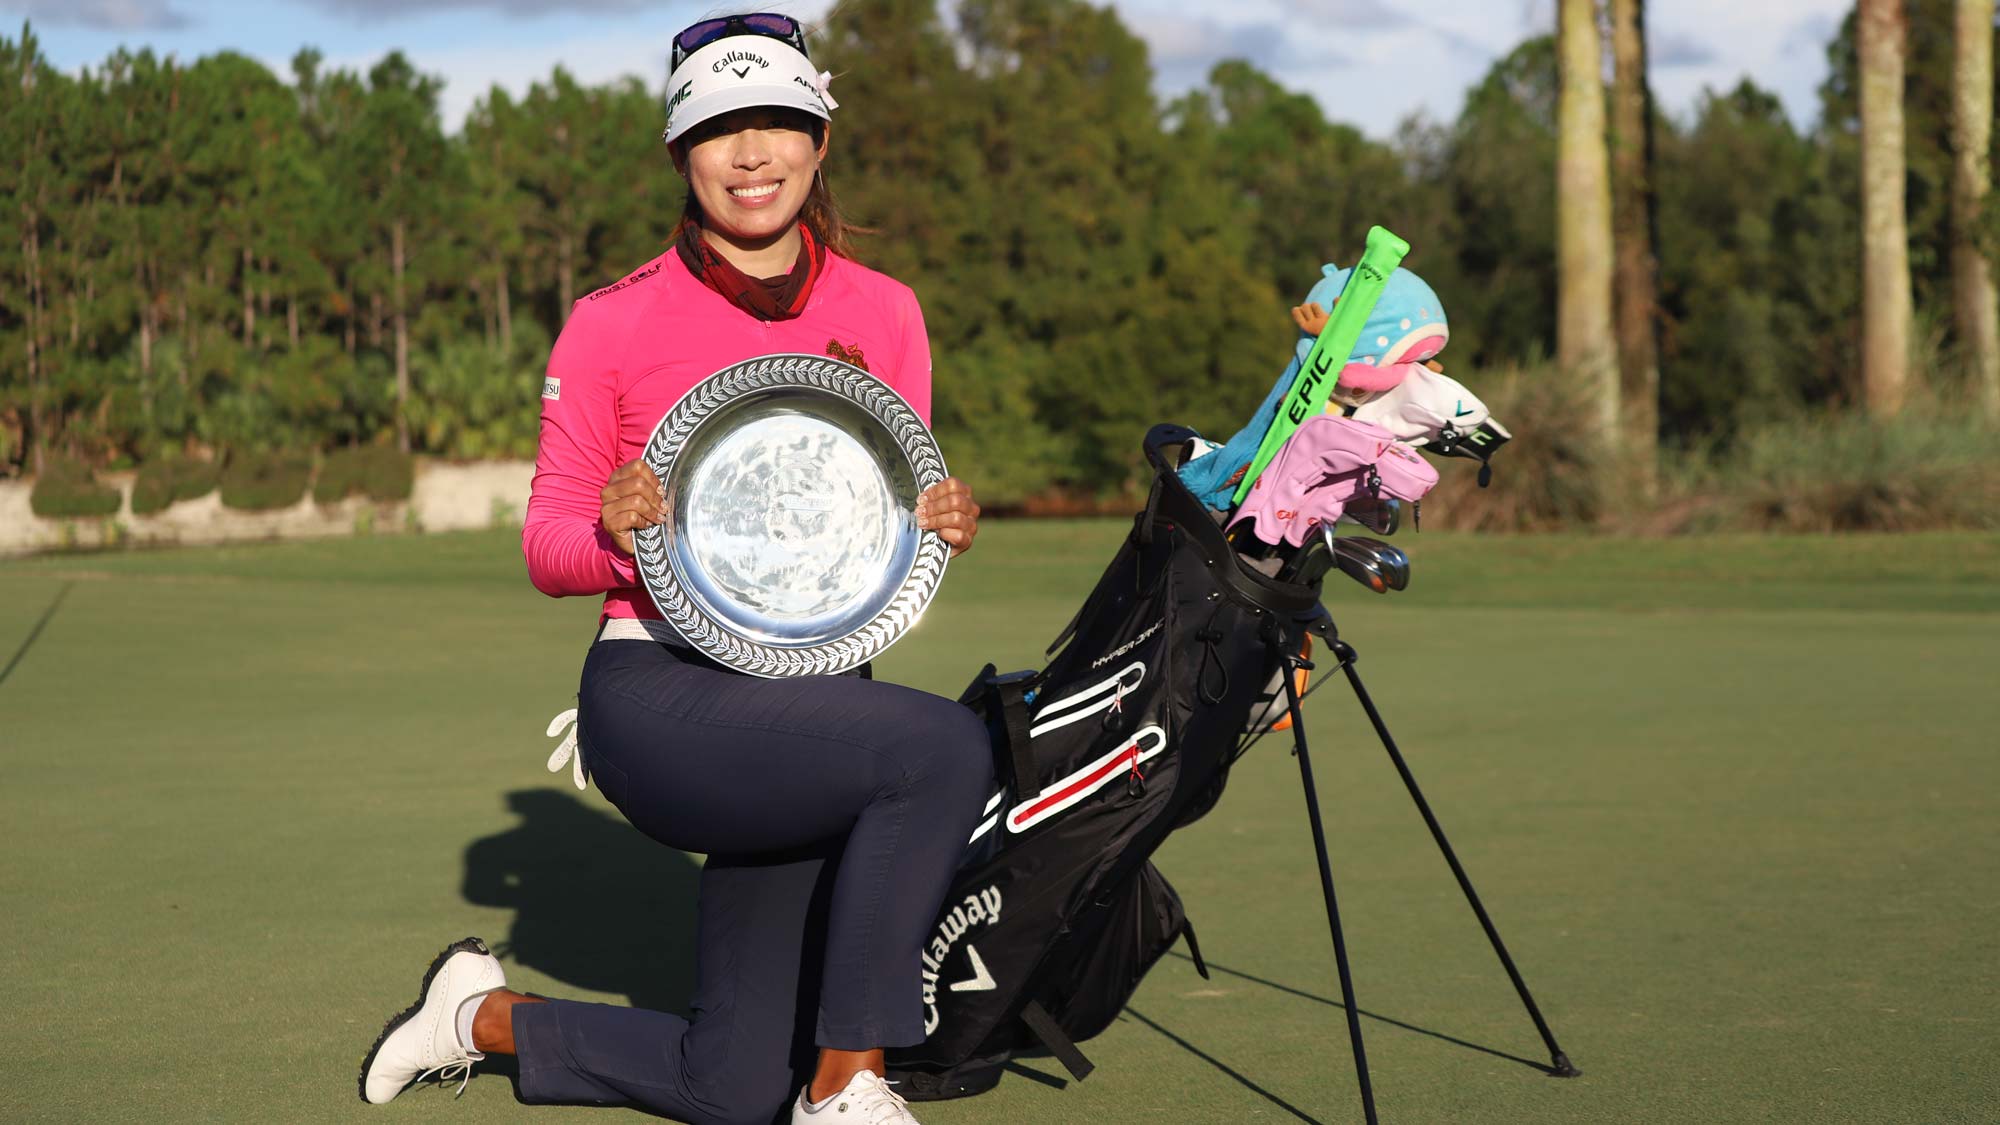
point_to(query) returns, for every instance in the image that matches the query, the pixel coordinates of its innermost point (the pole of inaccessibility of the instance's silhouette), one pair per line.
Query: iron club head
(1358, 565)
(1381, 516)
(1394, 564)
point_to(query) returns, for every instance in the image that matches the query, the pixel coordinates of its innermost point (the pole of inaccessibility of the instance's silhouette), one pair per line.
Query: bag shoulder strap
(1060, 1045)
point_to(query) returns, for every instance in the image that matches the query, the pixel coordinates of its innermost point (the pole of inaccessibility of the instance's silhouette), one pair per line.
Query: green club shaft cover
(1323, 364)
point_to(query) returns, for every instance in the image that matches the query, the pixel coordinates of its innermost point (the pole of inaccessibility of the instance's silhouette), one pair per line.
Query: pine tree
(403, 153)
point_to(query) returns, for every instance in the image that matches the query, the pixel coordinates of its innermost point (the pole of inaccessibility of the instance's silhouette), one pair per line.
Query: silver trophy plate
(791, 545)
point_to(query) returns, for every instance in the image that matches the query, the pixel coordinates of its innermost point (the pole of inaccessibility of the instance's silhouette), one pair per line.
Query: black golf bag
(1127, 734)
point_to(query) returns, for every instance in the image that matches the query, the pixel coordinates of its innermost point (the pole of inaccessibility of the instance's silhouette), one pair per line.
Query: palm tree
(1584, 339)
(1978, 315)
(1885, 244)
(1632, 216)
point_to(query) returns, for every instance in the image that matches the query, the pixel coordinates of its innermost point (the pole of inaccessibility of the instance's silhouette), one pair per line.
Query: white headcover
(742, 72)
(1420, 407)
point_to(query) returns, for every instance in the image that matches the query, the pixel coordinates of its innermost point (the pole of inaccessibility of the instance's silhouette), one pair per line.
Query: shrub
(377, 472)
(1554, 473)
(468, 403)
(195, 479)
(67, 488)
(164, 481)
(154, 488)
(261, 482)
(1930, 468)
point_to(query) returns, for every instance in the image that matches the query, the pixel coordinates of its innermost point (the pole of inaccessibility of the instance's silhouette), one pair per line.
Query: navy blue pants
(833, 811)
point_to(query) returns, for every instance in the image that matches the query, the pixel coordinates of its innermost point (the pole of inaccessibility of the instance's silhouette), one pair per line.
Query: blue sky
(1433, 50)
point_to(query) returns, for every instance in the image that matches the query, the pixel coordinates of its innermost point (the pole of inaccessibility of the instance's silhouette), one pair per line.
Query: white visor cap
(743, 72)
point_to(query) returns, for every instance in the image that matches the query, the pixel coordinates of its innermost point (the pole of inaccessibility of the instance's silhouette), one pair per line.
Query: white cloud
(1184, 49)
(107, 15)
(471, 72)
(1369, 63)
(604, 55)
(1778, 44)
(392, 8)
(1351, 13)
(1372, 63)
(1673, 49)
(1812, 33)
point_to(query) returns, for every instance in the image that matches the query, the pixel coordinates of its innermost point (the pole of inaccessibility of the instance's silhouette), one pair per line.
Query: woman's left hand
(948, 508)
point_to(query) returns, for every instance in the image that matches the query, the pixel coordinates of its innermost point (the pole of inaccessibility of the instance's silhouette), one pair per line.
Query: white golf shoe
(423, 1039)
(868, 1100)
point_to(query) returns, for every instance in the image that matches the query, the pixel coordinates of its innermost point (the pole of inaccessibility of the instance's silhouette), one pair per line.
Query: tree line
(1881, 204)
(205, 258)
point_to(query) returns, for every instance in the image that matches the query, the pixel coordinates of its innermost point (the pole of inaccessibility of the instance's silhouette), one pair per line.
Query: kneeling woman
(832, 804)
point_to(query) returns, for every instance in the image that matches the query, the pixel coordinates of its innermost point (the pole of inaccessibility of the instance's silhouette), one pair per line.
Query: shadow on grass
(35, 633)
(599, 906)
(596, 904)
(1016, 1066)
(1545, 1068)
(1225, 1068)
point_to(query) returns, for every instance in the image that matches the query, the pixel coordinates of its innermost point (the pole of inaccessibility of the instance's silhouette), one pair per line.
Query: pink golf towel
(1327, 462)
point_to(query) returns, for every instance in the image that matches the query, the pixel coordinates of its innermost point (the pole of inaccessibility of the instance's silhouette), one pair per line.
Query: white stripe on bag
(1110, 691)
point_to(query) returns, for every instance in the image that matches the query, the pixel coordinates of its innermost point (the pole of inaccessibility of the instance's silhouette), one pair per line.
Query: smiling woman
(748, 120)
(832, 809)
(749, 172)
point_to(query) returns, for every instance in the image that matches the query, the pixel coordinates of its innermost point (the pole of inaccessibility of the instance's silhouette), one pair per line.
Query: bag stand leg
(1559, 1064)
(1326, 886)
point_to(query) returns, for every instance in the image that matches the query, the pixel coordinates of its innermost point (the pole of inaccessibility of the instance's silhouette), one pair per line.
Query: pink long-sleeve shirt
(631, 350)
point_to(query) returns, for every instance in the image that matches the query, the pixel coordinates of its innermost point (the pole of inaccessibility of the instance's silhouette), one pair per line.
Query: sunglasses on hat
(771, 25)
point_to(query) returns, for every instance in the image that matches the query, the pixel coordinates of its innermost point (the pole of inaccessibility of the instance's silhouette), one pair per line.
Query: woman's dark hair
(821, 212)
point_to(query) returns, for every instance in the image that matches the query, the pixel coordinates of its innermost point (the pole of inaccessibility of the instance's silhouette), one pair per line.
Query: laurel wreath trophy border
(655, 563)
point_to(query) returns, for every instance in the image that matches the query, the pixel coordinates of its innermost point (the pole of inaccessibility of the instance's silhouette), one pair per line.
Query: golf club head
(1393, 563)
(1381, 516)
(1358, 565)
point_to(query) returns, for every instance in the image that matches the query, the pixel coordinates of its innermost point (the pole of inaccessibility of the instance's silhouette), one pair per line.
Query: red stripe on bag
(1089, 781)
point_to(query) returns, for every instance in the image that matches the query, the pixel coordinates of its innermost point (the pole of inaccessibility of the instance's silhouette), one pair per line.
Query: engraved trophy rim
(726, 631)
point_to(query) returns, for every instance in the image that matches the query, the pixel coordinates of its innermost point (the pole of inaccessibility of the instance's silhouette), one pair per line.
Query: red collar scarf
(766, 298)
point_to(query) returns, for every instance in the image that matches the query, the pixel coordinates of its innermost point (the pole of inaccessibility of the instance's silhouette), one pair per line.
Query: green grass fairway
(1734, 804)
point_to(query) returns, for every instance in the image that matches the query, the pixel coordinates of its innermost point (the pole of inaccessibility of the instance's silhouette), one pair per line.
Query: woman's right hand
(632, 499)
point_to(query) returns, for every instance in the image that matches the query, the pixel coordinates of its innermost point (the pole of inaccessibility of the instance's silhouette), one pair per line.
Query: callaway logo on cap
(743, 72)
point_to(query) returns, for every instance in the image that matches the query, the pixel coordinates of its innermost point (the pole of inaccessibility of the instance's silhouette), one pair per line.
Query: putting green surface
(1734, 805)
